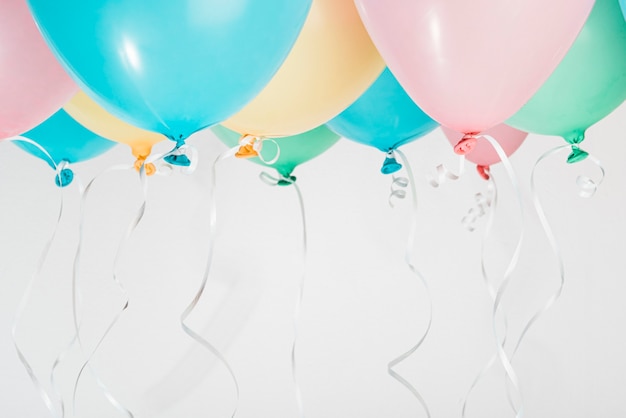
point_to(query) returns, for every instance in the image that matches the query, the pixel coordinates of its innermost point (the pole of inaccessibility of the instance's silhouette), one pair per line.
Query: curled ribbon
(205, 277)
(409, 262)
(88, 356)
(282, 180)
(505, 360)
(443, 173)
(398, 189)
(481, 207)
(63, 176)
(490, 210)
(587, 188)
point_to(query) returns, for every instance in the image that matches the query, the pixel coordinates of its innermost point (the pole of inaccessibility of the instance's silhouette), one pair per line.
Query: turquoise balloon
(171, 66)
(294, 150)
(65, 140)
(622, 3)
(587, 85)
(384, 117)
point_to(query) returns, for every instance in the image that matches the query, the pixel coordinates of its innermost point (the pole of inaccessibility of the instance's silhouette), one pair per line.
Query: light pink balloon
(483, 153)
(471, 64)
(33, 85)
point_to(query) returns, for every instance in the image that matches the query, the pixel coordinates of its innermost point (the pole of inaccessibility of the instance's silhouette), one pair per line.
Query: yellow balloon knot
(249, 147)
(149, 168)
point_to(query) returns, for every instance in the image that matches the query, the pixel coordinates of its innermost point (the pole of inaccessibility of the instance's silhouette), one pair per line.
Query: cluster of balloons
(306, 71)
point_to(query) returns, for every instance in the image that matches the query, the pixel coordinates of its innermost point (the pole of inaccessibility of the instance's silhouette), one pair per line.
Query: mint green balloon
(294, 150)
(587, 85)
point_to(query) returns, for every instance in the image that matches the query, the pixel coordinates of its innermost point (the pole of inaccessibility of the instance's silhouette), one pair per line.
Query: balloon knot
(64, 177)
(484, 171)
(180, 160)
(149, 168)
(286, 180)
(390, 165)
(576, 155)
(250, 146)
(466, 144)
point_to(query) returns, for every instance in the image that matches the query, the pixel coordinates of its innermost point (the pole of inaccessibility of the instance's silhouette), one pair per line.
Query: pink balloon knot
(466, 144)
(483, 171)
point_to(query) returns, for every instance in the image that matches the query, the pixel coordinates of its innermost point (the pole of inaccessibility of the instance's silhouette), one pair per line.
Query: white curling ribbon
(505, 360)
(398, 188)
(443, 173)
(204, 281)
(482, 205)
(43, 393)
(88, 356)
(409, 262)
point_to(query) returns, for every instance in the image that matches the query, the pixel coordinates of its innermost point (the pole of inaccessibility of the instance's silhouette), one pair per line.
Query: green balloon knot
(576, 155)
(287, 180)
(575, 138)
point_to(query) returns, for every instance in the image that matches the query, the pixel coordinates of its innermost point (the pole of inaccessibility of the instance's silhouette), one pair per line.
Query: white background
(362, 306)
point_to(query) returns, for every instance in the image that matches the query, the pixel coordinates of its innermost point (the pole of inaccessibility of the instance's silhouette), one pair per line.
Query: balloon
(589, 83)
(384, 117)
(33, 85)
(89, 114)
(484, 155)
(172, 67)
(66, 141)
(332, 63)
(470, 65)
(622, 3)
(294, 150)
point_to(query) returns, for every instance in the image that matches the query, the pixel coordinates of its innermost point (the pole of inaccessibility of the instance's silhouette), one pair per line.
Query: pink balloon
(33, 85)
(483, 154)
(471, 64)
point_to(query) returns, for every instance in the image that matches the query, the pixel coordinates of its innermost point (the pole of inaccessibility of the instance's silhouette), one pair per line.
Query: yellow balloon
(93, 117)
(331, 64)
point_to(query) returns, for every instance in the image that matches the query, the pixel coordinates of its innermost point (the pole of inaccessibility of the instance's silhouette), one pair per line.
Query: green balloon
(587, 85)
(294, 150)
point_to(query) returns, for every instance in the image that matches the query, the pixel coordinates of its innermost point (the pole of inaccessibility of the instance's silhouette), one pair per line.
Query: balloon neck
(64, 175)
(149, 168)
(249, 146)
(484, 171)
(286, 180)
(575, 138)
(390, 165)
(466, 144)
(576, 155)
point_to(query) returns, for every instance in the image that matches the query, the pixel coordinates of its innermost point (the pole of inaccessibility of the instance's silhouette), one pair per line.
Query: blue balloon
(623, 4)
(171, 66)
(65, 140)
(384, 117)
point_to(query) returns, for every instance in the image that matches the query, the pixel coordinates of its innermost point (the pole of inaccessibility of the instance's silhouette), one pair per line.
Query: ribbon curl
(443, 173)
(409, 262)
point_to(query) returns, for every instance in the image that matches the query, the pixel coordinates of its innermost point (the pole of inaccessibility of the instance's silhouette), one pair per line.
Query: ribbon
(443, 173)
(192, 305)
(483, 203)
(76, 285)
(491, 202)
(61, 178)
(587, 188)
(398, 189)
(409, 262)
(280, 181)
(501, 289)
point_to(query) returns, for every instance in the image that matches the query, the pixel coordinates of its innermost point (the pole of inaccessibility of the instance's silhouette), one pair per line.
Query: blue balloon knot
(390, 165)
(180, 160)
(64, 177)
